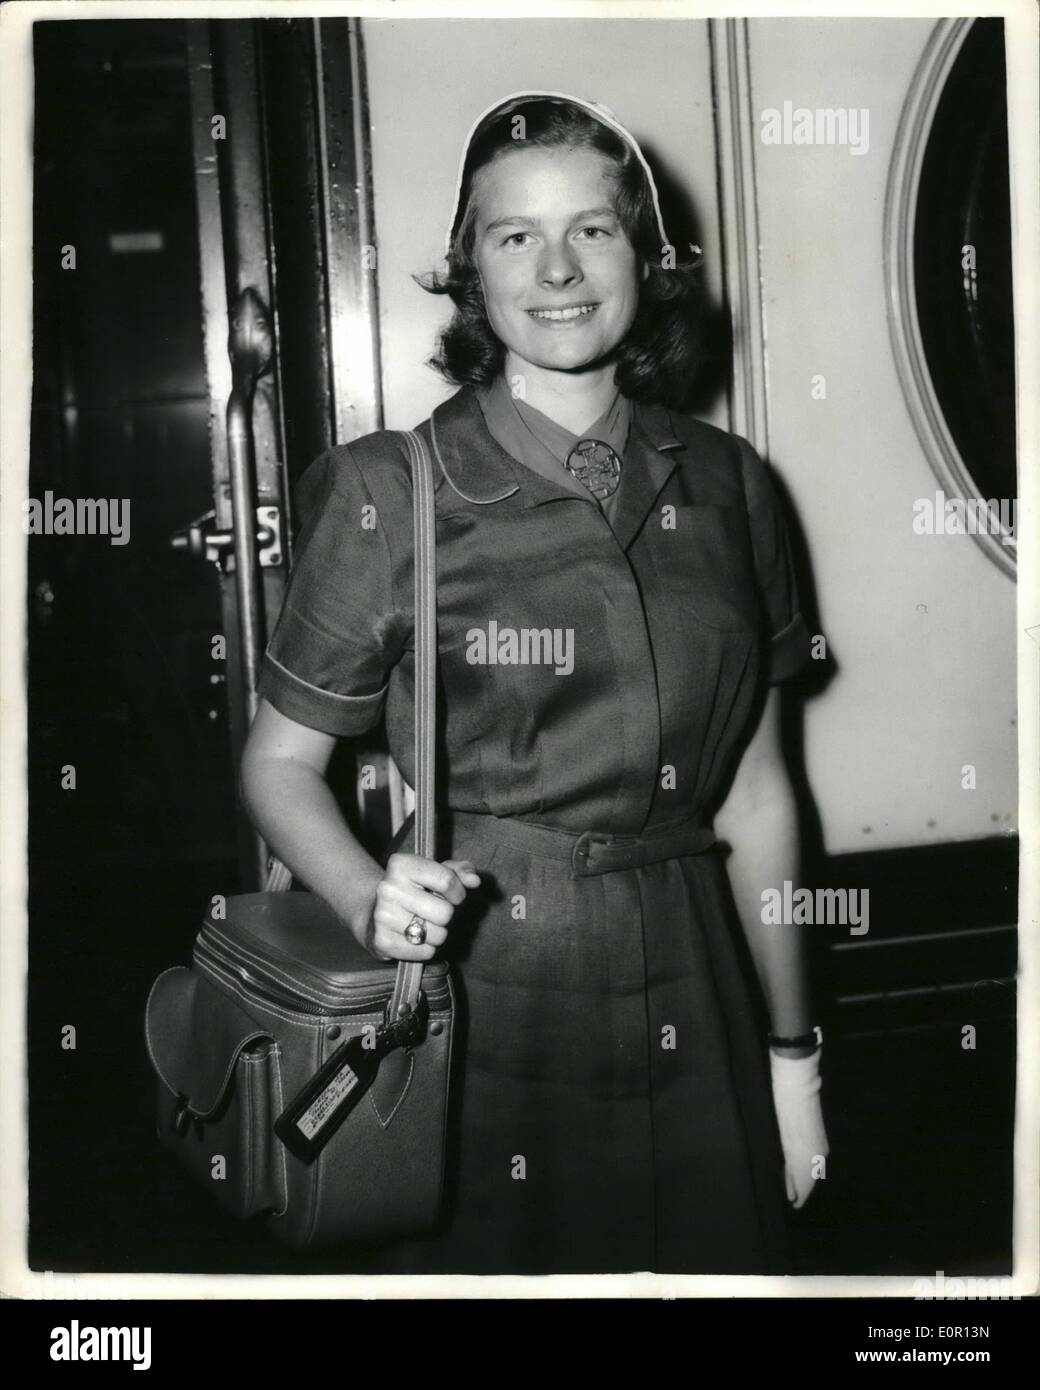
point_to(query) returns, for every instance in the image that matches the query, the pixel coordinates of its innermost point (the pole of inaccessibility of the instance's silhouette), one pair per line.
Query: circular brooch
(596, 466)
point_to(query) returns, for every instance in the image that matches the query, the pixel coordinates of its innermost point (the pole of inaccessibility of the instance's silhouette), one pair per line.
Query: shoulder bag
(300, 1080)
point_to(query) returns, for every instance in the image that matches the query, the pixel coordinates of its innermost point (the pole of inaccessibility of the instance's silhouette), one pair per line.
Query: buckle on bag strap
(409, 1027)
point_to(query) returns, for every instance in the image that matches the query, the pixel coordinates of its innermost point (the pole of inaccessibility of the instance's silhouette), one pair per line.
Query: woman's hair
(658, 357)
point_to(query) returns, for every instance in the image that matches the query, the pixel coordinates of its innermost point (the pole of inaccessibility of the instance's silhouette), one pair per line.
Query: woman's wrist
(355, 904)
(796, 1045)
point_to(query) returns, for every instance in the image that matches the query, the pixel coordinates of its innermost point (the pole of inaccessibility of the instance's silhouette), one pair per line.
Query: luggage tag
(310, 1120)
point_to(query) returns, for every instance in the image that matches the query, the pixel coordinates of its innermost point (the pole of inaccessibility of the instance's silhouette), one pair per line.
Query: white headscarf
(602, 114)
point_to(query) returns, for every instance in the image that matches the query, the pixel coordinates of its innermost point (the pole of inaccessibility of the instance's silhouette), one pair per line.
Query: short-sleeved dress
(611, 1108)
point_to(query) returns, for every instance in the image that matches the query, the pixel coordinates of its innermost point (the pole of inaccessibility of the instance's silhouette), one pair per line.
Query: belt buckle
(581, 853)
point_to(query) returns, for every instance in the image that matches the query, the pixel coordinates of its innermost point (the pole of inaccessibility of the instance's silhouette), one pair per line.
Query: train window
(949, 260)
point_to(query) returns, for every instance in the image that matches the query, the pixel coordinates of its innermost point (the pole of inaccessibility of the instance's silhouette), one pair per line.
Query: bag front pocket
(218, 1087)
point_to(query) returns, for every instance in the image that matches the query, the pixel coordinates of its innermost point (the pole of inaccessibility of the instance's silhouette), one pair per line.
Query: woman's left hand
(796, 1097)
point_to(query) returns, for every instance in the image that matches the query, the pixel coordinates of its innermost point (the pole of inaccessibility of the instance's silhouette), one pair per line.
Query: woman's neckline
(598, 399)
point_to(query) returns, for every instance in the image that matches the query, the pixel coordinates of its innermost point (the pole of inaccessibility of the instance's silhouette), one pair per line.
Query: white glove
(796, 1098)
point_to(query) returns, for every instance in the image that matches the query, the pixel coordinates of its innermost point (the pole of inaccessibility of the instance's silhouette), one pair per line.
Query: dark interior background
(121, 685)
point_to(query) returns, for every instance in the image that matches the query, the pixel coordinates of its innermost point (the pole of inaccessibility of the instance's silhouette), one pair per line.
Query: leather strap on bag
(409, 973)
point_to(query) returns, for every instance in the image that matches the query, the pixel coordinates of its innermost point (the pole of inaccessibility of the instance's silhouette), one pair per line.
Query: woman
(615, 596)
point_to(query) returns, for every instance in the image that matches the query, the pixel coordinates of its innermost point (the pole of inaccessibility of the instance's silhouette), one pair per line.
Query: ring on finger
(415, 931)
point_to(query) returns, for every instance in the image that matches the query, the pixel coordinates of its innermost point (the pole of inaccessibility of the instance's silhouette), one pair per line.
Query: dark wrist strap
(813, 1039)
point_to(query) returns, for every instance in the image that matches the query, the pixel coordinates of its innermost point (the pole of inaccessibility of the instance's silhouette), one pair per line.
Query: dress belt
(591, 851)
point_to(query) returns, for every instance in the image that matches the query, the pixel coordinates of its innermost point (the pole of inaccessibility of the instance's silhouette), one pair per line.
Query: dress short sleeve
(789, 642)
(338, 635)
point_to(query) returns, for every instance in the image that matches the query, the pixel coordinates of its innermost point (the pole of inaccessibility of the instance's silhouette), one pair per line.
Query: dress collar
(521, 435)
(476, 467)
(611, 427)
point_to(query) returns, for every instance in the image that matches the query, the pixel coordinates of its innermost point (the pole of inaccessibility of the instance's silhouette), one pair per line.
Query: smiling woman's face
(560, 276)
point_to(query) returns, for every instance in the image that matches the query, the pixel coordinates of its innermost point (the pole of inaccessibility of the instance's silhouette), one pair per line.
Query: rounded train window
(948, 243)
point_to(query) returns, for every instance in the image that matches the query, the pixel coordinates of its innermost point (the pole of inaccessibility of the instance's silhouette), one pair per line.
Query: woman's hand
(416, 887)
(799, 1117)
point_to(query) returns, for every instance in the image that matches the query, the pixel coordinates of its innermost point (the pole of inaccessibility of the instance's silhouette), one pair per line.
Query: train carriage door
(289, 318)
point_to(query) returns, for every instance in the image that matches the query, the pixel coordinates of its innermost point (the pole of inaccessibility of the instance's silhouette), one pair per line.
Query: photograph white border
(16, 124)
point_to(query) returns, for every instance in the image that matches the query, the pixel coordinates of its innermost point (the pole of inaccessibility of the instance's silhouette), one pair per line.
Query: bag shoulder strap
(409, 973)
